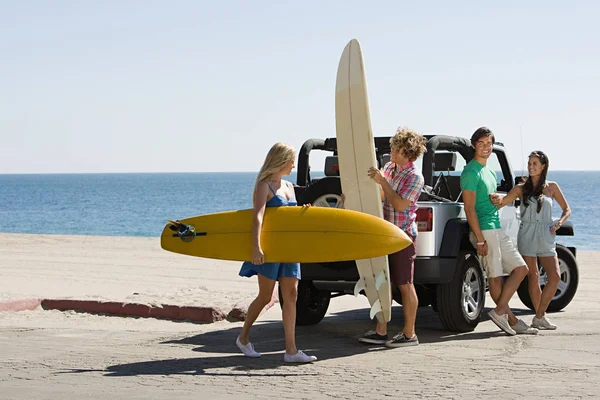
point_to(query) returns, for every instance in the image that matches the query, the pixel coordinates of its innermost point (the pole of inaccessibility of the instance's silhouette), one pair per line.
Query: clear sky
(160, 86)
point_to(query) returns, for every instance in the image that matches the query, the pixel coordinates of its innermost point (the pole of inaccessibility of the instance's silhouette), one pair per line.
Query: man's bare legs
(501, 294)
(410, 302)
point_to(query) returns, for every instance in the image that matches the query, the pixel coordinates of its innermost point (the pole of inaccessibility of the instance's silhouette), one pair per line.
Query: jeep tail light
(425, 219)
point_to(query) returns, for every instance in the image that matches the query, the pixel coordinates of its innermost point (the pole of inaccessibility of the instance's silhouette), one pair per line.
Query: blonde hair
(409, 142)
(277, 158)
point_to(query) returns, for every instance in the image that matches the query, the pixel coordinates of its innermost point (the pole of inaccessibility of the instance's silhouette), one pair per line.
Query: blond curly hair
(409, 142)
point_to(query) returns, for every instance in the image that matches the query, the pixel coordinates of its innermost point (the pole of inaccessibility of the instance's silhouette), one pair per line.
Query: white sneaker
(299, 357)
(543, 323)
(247, 349)
(502, 322)
(523, 329)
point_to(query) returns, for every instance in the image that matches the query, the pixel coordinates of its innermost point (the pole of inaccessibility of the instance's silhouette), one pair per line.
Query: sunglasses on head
(539, 154)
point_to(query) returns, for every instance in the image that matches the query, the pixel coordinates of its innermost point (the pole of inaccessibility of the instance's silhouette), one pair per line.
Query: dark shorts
(402, 265)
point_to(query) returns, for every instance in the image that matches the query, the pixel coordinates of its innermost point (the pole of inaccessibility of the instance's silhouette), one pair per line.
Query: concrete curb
(176, 313)
(163, 311)
(20, 305)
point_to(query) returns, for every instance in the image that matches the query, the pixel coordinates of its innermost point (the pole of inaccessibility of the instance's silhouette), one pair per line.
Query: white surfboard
(356, 153)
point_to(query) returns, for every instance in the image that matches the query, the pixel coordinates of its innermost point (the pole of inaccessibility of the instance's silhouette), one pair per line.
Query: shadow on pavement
(333, 338)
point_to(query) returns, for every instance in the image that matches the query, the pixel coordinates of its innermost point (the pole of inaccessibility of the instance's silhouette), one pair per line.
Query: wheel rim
(563, 283)
(472, 293)
(329, 200)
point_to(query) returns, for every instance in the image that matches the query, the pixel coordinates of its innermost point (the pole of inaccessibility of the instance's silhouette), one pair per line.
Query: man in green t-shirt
(497, 253)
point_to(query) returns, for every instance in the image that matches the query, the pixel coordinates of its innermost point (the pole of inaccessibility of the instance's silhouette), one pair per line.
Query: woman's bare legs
(533, 277)
(289, 292)
(552, 269)
(265, 292)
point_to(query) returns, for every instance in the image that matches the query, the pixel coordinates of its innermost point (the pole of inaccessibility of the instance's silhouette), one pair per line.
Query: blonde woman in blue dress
(537, 231)
(271, 190)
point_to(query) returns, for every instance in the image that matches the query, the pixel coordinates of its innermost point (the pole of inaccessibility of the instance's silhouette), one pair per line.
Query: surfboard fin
(375, 308)
(380, 280)
(360, 286)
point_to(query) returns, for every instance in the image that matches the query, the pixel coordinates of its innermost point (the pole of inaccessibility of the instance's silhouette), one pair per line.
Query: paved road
(55, 355)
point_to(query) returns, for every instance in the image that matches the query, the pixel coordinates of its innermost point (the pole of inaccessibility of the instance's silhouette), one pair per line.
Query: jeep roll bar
(442, 142)
(303, 165)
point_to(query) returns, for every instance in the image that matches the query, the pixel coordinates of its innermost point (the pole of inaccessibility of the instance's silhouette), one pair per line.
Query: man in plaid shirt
(401, 184)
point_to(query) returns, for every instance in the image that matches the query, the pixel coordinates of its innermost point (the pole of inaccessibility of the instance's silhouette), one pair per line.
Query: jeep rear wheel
(567, 285)
(460, 303)
(311, 305)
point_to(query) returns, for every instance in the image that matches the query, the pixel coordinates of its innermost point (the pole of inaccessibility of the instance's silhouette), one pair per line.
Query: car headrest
(444, 162)
(384, 160)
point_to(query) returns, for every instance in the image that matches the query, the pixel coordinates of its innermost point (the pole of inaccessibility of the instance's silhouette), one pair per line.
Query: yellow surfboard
(289, 234)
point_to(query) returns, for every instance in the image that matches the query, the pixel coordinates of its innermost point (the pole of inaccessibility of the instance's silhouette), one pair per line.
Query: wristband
(480, 243)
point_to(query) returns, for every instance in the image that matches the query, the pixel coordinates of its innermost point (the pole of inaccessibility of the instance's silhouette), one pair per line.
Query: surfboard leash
(185, 232)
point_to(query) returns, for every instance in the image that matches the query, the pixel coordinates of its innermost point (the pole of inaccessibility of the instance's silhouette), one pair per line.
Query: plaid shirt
(408, 182)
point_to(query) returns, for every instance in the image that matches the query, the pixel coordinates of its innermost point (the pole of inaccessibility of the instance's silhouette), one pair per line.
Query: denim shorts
(536, 240)
(272, 271)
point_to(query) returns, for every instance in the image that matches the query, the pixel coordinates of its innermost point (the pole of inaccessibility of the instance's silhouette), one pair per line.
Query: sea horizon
(138, 204)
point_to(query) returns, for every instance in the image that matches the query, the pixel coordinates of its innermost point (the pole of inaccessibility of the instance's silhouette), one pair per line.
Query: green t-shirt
(482, 180)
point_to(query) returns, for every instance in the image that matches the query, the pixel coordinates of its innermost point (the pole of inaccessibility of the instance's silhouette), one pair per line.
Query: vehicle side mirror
(520, 179)
(502, 187)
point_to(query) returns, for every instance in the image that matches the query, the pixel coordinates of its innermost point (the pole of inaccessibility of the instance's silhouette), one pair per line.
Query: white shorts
(502, 257)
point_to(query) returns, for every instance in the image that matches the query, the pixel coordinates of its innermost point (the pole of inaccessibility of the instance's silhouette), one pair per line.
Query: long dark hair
(537, 191)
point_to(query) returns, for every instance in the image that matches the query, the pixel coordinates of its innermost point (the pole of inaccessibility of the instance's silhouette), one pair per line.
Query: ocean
(139, 204)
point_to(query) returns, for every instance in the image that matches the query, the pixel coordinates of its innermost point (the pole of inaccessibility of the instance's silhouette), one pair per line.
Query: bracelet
(480, 243)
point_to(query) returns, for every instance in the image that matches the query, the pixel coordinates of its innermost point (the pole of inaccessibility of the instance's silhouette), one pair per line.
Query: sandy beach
(58, 355)
(127, 269)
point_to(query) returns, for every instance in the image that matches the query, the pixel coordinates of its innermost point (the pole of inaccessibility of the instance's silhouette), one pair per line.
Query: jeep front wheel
(460, 303)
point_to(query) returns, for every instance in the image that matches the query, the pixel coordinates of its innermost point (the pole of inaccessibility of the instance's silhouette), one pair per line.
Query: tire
(324, 193)
(311, 305)
(567, 286)
(460, 303)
